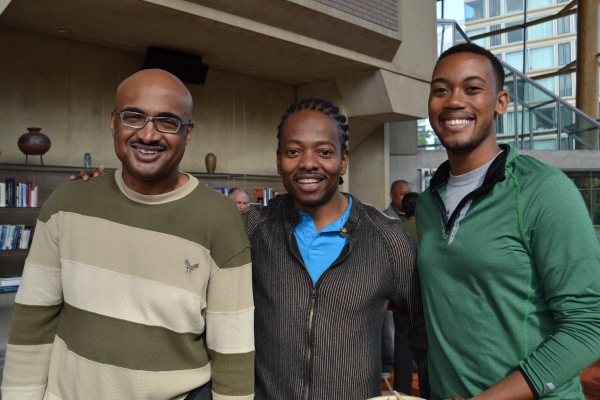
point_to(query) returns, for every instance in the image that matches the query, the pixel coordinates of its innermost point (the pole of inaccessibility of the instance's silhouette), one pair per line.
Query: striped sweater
(126, 296)
(322, 341)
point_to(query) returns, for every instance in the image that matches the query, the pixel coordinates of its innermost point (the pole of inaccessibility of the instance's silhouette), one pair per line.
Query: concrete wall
(380, 12)
(68, 87)
(369, 164)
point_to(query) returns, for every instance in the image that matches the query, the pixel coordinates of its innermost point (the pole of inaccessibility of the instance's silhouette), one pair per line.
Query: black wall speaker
(187, 67)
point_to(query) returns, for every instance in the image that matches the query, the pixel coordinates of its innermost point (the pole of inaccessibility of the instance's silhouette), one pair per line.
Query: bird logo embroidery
(189, 267)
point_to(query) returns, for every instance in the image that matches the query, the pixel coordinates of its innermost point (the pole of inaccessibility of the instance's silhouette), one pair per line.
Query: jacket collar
(495, 173)
(292, 218)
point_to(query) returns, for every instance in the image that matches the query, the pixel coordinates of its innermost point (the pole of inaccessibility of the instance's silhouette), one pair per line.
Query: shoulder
(534, 176)
(253, 218)
(72, 195)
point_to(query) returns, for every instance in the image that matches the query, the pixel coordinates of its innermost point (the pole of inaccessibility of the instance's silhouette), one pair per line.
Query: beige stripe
(176, 194)
(26, 366)
(146, 254)
(40, 286)
(23, 393)
(231, 289)
(44, 248)
(74, 377)
(230, 333)
(132, 299)
(219, 397)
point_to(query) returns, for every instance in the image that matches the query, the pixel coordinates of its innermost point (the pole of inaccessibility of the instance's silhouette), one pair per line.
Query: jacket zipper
(312, 309)
(442, 207)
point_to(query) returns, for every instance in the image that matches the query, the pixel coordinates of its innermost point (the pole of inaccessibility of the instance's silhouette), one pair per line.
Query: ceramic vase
(34, 142)
(211, 163)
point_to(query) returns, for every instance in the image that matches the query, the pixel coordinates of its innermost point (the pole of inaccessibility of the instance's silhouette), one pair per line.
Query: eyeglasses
(138, 121)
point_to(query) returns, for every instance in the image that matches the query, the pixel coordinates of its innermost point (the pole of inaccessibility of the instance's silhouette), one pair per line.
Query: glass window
(562, 1)
(498, 56)
(495, 6)
(516, 35)
(539, 31)
(563, 25)
(513, 6)
(538, 3)
(575, 22)
(565, 85)
(515, 59)
(474, 10)
(473, 32)
(495, 40)
(547, 83)
(541, 57)
(564, 53)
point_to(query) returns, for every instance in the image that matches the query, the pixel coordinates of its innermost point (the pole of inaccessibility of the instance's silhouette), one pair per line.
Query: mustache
(309, 174)
(151, 144)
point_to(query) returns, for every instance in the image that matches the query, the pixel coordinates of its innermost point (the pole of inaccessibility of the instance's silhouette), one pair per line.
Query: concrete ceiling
(134, 25)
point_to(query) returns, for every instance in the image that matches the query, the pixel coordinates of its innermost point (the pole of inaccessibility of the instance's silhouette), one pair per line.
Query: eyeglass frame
(151, 119)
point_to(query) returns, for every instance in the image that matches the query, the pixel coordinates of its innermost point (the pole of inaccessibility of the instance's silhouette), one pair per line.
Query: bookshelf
(49, 177)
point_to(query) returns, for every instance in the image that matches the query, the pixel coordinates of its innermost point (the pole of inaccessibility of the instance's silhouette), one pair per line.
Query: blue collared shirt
(320, 250)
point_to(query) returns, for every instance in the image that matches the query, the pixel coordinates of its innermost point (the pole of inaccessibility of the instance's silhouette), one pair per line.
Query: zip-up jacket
(512, 284)
(322, 341)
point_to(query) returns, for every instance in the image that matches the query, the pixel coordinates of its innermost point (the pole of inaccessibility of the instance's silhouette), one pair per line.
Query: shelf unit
(49, 177)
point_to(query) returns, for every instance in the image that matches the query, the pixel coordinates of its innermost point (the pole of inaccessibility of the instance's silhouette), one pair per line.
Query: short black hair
(324, 107)
(409, 203)
(399, 181)
(473, 48)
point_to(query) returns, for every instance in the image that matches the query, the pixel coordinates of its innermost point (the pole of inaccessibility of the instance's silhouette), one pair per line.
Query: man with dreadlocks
(325, 266)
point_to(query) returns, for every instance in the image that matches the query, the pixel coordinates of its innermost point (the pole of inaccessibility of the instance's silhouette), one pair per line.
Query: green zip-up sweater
(518, 286)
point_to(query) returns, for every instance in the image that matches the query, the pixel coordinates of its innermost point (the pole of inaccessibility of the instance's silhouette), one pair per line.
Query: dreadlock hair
(324, 107)
(475, 49)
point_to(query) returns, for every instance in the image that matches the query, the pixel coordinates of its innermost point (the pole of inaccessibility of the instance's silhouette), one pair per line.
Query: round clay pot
(34, 142)
(211, 163)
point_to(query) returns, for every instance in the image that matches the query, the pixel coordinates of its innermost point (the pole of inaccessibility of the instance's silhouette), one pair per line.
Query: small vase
(211, 163)
(34, 143)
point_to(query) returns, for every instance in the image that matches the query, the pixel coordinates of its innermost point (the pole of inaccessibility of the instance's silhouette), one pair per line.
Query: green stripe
(238, 260)
(129, 345)
(232, 374)
(32, 325)
(204, 216)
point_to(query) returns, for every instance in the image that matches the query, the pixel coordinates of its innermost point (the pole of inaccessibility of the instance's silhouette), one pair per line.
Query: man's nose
(456, 99)
(149, 133)
(309, 161)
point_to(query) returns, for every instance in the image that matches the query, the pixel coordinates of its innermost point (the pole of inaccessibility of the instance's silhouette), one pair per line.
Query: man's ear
(112, 122)
(278, 161)
(344, 165)
(502, 101)
(188, 132)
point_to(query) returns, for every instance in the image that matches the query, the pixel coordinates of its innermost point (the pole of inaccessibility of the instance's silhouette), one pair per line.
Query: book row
(13, 237)
(15, 194)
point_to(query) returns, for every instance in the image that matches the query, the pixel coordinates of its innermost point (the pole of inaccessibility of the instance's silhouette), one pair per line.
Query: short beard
(470, 143)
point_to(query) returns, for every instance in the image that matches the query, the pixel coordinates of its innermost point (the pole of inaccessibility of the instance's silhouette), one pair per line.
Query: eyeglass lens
(137, 120)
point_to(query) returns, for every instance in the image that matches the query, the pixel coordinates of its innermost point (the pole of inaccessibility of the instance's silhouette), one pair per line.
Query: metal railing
(537, 119)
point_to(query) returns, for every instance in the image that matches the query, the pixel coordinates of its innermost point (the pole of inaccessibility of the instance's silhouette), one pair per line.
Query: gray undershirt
(460, 186)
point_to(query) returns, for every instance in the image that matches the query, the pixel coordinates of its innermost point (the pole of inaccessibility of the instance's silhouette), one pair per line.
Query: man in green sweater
(508, 259)
(139, 283)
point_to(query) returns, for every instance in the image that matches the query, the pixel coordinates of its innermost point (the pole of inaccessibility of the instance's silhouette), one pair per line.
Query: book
(34, 196)
(9, 237)
(2, 194)
(10, 281)
(11, 192)
(9, 289)
(3, 236)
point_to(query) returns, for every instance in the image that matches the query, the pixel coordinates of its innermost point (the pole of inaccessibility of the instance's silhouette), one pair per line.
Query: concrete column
(588, 32)
(403, 153)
